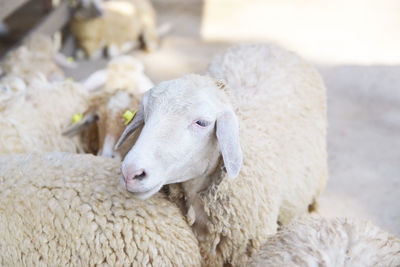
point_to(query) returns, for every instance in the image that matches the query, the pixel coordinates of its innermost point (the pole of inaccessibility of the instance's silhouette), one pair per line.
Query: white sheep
(116, 90)
(123, 72)
(266, 126)
(64, 209)
(117, 26)
(36, 58)
(329, 242)
(33, 120)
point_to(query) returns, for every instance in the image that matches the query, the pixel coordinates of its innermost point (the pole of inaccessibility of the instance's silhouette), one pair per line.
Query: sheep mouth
(145, 194)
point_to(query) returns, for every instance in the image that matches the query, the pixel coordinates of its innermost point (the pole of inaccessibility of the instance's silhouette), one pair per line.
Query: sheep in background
(123, 72)
(65, 209)
(115, 25)
(104, 98)
(115, 90)
(103, 122)
(36, 59)
(196, 130)
(329, 242)
(33, 120)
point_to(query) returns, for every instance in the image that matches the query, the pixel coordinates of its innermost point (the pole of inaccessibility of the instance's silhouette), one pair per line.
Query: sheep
(121, 84)
(33, 120)
(36, 58)
(259, 115)
(329, 242)
(106, 95)
(123, 72)
(118, 25)
(103, 122)
(63, 209)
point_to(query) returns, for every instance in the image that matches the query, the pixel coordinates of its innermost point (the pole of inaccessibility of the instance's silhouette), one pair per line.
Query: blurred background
(355, 44)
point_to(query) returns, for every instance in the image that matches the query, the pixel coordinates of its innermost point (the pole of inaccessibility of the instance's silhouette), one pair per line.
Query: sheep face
(188, 123)
(103, 123)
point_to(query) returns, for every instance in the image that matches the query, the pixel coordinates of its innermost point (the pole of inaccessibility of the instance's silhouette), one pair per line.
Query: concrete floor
(351, 42)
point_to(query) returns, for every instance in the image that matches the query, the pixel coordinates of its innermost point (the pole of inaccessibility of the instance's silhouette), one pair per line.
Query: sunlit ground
(325, 31)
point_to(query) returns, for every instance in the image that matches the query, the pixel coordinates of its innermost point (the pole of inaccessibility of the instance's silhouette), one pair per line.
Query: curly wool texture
(65, 209)
(33, 120)
(122, 22)
(281, 106)
(329, 242)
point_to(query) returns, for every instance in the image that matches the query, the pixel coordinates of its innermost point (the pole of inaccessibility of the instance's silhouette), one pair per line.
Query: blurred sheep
(118, 26)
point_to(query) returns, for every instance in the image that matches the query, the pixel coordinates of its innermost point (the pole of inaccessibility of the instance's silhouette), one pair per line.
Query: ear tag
(128, 116)
(69, 79)
(76, 118)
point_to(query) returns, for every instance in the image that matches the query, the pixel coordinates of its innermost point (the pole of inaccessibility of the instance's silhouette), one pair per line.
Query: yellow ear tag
(128, 116)
(70, 59)
(69, 79)
(76, 118)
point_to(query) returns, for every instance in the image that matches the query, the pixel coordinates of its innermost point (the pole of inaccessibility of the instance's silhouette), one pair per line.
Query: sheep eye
(202, 123)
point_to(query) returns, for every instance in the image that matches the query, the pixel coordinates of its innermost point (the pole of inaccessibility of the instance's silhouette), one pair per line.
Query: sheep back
(33, 120)
(65, 209)
(329, 242)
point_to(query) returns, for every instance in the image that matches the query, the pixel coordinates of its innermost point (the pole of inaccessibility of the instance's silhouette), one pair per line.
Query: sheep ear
(137, 121)
(63, 61)
(86, 121)
(228, 138)
(132, 126)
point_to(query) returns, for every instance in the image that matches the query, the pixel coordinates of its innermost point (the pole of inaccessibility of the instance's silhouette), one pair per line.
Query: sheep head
(188, 123)
(103, 123)
(90, 8)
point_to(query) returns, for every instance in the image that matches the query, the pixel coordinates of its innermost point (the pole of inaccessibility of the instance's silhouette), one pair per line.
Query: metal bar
(54, 21)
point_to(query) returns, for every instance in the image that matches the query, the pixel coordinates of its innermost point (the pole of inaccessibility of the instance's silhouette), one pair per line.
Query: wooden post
(7, 7)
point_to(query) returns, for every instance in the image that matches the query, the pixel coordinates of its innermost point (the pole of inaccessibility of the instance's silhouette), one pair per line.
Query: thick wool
(122, 23)
(33, 120)
(65, 209)
(281, 106)
(329, 242)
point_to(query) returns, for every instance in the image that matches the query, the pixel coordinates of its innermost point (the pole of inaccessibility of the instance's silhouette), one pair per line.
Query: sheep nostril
(140, 176)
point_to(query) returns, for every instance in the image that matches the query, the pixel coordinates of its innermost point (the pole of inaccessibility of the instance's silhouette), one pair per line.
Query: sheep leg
(150, 38)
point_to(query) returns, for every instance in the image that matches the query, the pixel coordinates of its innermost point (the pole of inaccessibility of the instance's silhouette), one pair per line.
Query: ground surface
(356, 46)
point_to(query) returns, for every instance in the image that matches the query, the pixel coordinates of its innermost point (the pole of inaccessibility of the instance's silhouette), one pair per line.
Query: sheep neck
(195, 190)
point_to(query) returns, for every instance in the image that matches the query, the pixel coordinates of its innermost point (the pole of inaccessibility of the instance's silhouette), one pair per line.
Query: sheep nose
(137, 175)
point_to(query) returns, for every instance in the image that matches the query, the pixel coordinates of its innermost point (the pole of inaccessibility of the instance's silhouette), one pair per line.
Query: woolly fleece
(329, 242)
(33, 120)
(65, 209)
